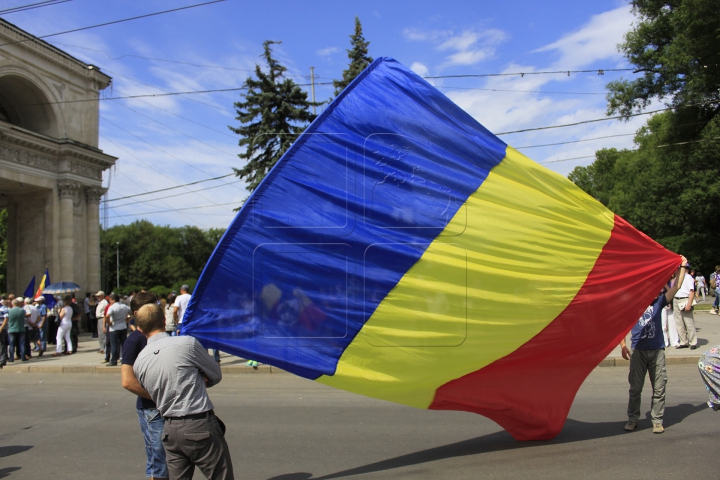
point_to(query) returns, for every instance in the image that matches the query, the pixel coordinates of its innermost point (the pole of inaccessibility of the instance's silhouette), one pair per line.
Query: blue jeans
(43, 336)
(717, 298)
(16, 339)
(151, 426)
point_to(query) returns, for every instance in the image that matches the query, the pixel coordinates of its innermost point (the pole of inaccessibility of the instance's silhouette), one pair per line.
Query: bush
(160, 290)
(127, 290)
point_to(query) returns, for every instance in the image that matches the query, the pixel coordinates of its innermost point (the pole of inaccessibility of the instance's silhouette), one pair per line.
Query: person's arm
(42, 321)
(689, 304)
(679, 279)
(625, 350)
(4, 324)
(131, 383)
(207, 365)
(175, 315)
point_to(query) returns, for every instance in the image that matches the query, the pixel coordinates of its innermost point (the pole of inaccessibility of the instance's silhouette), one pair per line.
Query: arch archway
(24, 104)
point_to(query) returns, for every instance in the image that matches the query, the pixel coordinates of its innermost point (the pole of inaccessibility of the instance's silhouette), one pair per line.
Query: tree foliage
(674, 44)
(274, 112)
(359, 58)
(667, 190)
(153, 255)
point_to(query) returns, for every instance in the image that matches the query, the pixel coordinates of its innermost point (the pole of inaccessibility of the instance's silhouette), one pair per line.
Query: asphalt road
(65, 426)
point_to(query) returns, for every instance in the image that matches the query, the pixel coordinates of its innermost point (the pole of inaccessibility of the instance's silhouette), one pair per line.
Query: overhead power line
(114, 22)
(599, 71)
(169, 188)
(517, 91)
(178, 62)
(178, 210)
(32, 6)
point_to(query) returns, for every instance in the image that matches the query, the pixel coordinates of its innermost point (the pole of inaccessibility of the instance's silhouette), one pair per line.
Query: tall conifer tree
(274, 112)
(359, 58)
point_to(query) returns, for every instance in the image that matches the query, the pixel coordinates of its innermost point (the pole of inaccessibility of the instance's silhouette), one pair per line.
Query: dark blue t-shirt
(131, 349)
(647, 334)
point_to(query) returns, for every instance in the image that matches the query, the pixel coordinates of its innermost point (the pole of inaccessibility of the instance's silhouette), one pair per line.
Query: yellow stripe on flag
(529, 239)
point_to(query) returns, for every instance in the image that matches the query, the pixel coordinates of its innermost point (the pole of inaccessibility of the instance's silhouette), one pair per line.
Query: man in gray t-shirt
(176, 372)
(116, 324)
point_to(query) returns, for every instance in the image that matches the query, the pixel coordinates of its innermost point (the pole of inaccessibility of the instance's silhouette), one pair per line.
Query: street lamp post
(117, 264)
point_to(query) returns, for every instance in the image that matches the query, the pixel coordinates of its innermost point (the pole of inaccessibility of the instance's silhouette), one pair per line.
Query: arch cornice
(16, 37)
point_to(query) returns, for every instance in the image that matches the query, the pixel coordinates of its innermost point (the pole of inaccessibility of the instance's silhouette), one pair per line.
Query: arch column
(93, 196)
(68, 192)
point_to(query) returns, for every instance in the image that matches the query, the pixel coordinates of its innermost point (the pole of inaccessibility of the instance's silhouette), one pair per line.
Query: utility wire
(113, 22)
(163, 90)
(634, 150)
(32, 6)
(599, 71)
(606, 136)
(517, 91)
(178, 131)
(156, 59)
(168, 188)
(172, 196)
(177, 209)
(146, 164)
(163, 202)
(161, 150)
(575, 141)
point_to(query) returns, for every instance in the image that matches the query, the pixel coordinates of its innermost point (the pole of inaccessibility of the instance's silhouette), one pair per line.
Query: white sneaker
(713, 311)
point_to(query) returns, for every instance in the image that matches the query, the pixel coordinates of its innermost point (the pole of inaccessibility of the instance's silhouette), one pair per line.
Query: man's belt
(194, 416)
(680, 298)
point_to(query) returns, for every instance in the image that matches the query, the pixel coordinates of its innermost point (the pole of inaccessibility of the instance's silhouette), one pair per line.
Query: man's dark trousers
(3, 346)
(17, 340)
(117, 339)
(196, 440)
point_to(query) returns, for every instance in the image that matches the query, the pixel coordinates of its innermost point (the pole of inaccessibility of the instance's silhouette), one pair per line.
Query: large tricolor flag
(402, 251)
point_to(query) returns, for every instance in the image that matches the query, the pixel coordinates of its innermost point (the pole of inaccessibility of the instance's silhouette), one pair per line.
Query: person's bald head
(150, 319)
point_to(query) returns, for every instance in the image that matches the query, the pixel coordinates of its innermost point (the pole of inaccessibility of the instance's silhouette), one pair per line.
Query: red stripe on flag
(529, 392)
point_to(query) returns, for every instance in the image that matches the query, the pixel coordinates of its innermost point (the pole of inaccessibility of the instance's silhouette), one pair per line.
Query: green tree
(155, 256)
(667, 189)
(359, 58)
(674, 44)
(274, 112)
(598, 179)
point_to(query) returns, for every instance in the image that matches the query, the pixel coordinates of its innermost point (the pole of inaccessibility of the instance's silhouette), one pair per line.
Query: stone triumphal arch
(50, 164)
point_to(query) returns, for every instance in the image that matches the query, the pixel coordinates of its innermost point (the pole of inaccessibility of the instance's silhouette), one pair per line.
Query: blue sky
(167, 141)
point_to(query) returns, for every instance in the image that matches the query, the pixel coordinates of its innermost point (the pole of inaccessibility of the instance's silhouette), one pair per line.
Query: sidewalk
(88, 360)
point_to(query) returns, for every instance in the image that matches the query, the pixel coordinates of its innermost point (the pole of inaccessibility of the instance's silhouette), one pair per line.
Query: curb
(621, 362)
(101, 369)
(265, 369)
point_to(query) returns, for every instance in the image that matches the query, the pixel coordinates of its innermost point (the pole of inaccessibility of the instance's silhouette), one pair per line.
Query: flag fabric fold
(402, 251)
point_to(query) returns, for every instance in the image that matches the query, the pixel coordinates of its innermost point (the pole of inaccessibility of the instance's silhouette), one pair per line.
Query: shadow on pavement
(573, 431)
(5, 472)
(13, 449)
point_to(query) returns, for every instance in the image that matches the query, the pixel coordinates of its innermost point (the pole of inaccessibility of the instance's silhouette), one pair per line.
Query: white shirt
(181, 302)
(100, 310)
(34, 314)
(118, 313)
(687, 286)
(67, 319)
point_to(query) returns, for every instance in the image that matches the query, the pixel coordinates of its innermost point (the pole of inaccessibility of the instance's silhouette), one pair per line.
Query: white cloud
(468, 47)
(326, 52)
(419, 68)
(596, 40)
